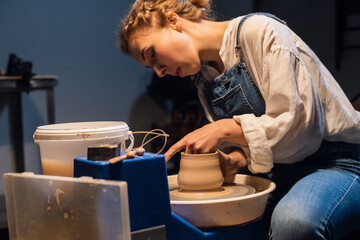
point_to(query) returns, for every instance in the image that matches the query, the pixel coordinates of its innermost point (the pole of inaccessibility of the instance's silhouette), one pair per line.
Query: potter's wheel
(228, 190)
(242, 200)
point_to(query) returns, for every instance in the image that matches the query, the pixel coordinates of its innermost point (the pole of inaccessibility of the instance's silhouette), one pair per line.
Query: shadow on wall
(171, 104)
(3, 104)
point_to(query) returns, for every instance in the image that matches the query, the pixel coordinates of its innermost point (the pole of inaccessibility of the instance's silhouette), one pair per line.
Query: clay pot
(200, 172)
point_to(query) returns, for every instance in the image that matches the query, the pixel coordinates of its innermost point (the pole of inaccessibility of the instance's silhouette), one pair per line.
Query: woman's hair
(146, 13)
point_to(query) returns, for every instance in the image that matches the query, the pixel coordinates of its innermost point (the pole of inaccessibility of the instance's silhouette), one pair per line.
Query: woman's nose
(160, 70)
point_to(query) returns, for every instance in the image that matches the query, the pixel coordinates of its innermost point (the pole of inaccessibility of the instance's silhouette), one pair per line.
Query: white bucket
(61, 143)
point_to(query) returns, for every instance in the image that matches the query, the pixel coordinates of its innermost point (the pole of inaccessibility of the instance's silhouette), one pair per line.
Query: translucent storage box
(52, 207)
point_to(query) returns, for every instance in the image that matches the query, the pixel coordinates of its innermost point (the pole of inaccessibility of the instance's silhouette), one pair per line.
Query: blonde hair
(146, 13)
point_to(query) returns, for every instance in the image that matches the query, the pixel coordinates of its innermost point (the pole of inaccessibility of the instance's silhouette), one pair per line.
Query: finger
(174, 149)
(222, 155)
(198, 149)
(188, 150)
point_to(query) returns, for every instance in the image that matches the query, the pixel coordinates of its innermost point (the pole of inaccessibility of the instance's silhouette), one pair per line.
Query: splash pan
(240, 201)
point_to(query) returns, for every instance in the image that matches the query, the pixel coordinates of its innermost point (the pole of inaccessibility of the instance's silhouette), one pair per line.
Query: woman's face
(167, 50)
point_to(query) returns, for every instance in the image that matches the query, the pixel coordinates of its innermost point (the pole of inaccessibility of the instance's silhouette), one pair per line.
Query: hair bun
(200, 3)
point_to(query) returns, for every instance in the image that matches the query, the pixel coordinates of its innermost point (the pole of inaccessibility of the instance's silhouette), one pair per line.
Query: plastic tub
(61, 143)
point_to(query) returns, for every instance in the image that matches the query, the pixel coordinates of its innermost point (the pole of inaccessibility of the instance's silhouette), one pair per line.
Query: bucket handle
(131, 137)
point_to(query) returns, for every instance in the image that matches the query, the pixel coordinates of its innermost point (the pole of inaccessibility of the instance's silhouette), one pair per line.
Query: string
(158, 133)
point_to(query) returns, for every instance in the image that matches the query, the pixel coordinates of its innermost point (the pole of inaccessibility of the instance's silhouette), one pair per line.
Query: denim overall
(322, 192)
(234, 92)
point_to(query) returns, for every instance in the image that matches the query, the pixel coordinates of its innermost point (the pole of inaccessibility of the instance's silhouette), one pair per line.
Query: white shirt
(304, 103)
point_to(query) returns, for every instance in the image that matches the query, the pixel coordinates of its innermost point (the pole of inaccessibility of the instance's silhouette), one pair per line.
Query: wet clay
(228, 191)
(200, 172)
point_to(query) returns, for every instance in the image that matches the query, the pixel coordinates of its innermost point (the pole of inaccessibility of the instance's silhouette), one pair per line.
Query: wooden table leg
(50, 100)
(16, 130)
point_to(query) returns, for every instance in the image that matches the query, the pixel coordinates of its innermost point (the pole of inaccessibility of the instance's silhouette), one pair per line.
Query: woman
(269, 96)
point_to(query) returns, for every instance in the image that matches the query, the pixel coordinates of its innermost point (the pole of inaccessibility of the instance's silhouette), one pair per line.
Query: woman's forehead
(138, 41)
(144, 36)
(139, 36)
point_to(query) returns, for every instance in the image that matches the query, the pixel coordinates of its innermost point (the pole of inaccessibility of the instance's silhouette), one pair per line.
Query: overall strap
(238, 48)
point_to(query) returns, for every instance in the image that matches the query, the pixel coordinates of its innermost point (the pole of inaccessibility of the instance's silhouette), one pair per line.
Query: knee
(288, 222)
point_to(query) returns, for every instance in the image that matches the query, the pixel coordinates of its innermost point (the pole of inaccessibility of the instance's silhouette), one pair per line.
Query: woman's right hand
(208, 138)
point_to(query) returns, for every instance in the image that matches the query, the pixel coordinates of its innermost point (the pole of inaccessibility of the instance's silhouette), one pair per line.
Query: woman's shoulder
(265, 31)
(260, 26)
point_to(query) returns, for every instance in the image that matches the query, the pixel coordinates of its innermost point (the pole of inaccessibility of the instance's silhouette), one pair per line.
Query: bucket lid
(81, 130)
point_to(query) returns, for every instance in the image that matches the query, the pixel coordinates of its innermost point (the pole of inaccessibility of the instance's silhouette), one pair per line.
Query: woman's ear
(174, 21)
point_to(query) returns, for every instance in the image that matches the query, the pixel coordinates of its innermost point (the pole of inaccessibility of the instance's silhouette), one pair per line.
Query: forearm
(230, 131)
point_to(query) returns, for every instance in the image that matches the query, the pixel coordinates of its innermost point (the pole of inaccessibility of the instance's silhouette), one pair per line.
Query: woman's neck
(207, 37)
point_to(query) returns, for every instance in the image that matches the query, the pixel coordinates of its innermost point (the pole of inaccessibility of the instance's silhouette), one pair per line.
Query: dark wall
(315, 22)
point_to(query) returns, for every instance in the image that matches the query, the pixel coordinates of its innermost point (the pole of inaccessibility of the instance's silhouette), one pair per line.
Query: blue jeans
(318, 198)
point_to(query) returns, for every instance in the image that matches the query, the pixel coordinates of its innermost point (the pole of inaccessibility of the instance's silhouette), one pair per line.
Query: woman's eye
(153, 54)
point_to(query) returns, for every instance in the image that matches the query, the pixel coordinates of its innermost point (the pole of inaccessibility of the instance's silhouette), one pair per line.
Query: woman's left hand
(207, 138)
(232, 162)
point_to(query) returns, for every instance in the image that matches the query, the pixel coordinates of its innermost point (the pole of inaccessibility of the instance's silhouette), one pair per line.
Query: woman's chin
(193, 71)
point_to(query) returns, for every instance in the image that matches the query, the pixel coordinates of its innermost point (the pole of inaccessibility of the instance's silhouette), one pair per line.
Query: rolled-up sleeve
(292, 127)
